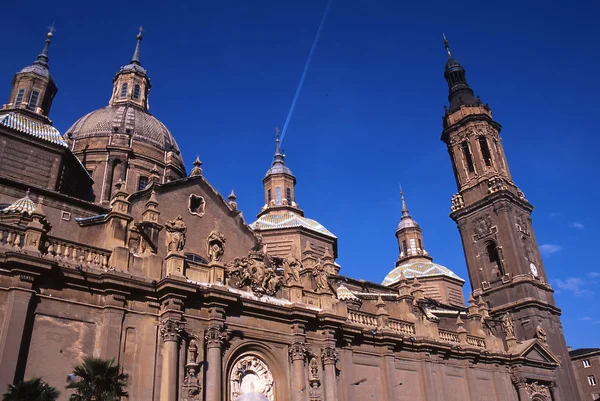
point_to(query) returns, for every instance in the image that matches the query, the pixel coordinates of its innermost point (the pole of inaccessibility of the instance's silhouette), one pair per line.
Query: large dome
(124, 119)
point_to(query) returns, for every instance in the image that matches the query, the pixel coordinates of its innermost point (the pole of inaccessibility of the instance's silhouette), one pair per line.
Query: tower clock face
(533, 269)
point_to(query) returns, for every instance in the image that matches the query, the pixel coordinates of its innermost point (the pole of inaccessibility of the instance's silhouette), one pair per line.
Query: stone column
(554, 392)
(520, 384)
(298, 357)
(329, 358)
(12, 333)
(170, 332)
(214, 370)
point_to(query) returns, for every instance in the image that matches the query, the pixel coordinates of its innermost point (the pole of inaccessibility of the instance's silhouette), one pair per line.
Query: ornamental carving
(254, 272)
(176, 230)
(457, 202)
(496, 184)
(196, 205)
(536, 388)
(315, 382)
(215, 246)
(214, 337)
(191, 383)
(540, 334)
(329, 355)
(170, 330)
(482, 226)
(522, 225)
(297, 351)
(250, 375)
(291, 269)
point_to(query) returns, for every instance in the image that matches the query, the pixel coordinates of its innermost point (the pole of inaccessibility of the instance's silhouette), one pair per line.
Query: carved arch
(273, 359)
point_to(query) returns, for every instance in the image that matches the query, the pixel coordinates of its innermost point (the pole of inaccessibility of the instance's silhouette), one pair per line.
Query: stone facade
(195, 304)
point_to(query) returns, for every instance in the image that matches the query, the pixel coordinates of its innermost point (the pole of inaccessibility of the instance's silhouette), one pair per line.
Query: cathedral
(109, 248)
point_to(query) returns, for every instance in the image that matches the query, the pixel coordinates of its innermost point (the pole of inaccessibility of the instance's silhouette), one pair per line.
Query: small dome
(452, 63)
(407, 222)
(125, 119)
(418, 268)
(278, 168)
(39, 70)
(24, 205)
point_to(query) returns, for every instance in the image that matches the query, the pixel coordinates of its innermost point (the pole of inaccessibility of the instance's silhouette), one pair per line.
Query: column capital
(170, 330)
(214, 337)
(329, 356)
(518, 381)
(297, 351)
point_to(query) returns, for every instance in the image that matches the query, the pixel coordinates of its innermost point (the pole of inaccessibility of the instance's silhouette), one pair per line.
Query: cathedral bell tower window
(494, 259)
(468, 158)
(136, 92)
(142, 183)
(269, 197)
(19, 98)
(123, 90)
(278, 197)
(288, 195)
(485, 151)
(33, 100)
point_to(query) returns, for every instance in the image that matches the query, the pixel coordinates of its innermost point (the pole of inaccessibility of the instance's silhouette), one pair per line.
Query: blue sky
(368, 117)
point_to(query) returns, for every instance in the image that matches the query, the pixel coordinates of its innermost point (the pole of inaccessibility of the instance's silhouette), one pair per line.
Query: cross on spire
(447, 45)
(51, 29)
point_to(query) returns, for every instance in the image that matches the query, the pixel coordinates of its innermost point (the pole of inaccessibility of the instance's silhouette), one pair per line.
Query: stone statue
(192, 354)
(540, 334)
(320, 275)
(176, 230)
(508, 325)
(291, 269)
(215, 246)
(314, 368)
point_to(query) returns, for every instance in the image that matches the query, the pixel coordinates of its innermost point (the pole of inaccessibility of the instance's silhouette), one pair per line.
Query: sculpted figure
(540, 334)
(176, 230)
(508, 325)
(320, 275)
(215, 246)
(253, 271)
(192, 353)
(291, 269)
(314, 368)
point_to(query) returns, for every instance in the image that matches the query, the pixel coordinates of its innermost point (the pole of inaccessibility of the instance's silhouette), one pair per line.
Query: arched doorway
(251, 380)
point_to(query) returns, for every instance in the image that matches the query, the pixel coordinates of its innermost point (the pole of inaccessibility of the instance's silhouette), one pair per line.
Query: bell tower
(33, 88)
(494, 221)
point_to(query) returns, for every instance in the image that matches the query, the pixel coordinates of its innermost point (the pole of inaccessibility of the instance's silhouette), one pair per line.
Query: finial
(232, 196)
(136, 54)
(404, 208)
(447, 45)
(27, 193)
(196, 171)
(277, 150)
(42, 58)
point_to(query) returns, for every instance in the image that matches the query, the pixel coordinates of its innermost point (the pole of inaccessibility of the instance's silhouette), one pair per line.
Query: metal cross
(51, 28)
(277, 132)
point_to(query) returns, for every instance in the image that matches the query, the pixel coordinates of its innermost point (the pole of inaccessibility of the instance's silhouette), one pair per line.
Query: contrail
(310, 55)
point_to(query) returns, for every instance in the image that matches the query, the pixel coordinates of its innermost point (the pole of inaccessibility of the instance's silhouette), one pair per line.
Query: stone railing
(363, 319)
(401, 327)
(76, 253)
(476, 341)
(11, 237)
(449, 336)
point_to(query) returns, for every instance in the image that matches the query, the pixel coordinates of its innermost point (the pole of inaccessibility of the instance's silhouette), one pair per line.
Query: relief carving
(253, 271)
(536, 388)
(176, 230)
(214, 337)
(297, 351)
(522, 225)
(251, 375)
(482, 226)
(191, 383)
(170, 330)
(315, 382)
(540, 334)
(215, 246)
(196, 205)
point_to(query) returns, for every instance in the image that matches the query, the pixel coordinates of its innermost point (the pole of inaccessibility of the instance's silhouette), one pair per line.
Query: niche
(196, 205)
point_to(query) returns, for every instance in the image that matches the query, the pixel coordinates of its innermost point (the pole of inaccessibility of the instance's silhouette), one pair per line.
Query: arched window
(467, 155)
(123, 90)
(485, 151)
(136, 92)
(288, 195)
(19, 98)
(269, 197)
(494, 259)
(33, 100)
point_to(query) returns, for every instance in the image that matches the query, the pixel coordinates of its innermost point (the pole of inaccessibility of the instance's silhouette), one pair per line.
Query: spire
(459, 92)
(278, 165)
(404, 208)
(136, 54)
(42, 58)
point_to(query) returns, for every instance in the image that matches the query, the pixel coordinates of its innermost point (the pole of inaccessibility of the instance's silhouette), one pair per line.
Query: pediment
(534, 351)
(203, 211)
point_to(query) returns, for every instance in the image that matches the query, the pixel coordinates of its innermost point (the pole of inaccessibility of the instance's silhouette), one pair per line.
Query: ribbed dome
(125, 119)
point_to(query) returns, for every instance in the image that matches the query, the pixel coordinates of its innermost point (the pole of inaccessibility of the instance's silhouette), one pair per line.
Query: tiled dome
(418, 268)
